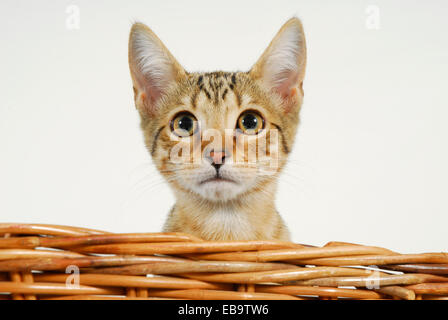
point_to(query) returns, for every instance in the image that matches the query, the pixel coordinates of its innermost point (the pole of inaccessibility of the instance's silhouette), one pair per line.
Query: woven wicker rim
(40, 261)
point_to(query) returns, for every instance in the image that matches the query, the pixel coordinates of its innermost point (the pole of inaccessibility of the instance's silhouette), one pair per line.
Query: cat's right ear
(153, 68)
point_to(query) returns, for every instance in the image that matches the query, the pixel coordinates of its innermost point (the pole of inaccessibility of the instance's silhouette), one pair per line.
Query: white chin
(219, 190)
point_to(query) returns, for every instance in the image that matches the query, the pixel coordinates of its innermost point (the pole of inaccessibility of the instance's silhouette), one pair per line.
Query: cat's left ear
(153, 68)
(281, 68)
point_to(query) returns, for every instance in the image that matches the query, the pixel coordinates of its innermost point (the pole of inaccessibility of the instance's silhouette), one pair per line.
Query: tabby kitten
(201, 130)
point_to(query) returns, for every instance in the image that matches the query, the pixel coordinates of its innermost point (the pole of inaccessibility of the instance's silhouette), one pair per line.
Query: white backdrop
(370, 162)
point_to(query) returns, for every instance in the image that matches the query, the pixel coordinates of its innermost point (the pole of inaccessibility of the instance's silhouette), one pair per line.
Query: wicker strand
(147, 266)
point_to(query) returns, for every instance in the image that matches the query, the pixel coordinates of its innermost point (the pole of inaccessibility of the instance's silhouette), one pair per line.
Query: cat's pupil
(185, 123)
(250, 121)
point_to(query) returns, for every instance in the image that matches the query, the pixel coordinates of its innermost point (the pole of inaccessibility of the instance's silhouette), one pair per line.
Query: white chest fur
(227, 224)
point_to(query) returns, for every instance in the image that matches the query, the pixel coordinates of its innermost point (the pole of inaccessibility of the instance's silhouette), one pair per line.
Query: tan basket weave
(41, 262)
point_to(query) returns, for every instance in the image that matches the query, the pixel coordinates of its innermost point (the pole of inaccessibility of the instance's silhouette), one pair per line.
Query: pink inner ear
(149, 95)
(153, 93)
(287, 89)
(149, 101)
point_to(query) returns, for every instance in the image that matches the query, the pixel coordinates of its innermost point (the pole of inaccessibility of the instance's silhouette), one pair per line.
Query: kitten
(202, 128)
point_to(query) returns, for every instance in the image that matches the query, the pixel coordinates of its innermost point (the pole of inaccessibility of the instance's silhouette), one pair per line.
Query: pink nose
(217, 157)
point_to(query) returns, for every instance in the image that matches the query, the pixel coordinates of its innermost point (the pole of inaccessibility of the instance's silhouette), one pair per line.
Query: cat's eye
(184, 124)
(250, 122)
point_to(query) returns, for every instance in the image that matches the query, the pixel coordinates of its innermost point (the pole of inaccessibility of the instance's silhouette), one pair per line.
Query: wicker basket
(59, 262)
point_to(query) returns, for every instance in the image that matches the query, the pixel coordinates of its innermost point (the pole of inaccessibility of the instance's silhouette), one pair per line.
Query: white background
(370, 162)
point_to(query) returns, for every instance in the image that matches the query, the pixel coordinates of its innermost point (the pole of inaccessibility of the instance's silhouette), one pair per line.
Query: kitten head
(219, 135)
